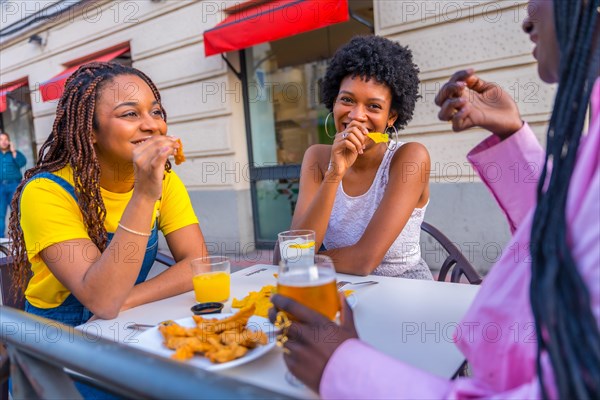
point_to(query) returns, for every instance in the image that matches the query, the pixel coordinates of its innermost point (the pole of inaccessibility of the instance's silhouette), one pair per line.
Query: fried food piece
(183, 353)
(246, 337)
(176, 330)
(193, 343)
(261, 300)
(379, 137)
(224, 353)
(179, 156)
(254, 338)
(237, 321)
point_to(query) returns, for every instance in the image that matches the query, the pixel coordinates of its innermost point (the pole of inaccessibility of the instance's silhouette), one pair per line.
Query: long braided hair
(565, 325)
(70, 143)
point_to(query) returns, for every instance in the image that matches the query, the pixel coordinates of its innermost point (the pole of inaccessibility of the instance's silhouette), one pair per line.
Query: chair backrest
(6, 285)
(164, 259)
(276, 253)
(455, 260)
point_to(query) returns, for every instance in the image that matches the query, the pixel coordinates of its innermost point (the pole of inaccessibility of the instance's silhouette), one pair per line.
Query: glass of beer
(311, 284)
(212, 280)
(297, 247)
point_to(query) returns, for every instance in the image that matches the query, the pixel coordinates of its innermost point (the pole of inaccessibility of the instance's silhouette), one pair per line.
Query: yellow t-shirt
(50, 215)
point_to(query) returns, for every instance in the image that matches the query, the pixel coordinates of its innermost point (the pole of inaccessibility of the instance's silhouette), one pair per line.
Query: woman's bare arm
(408, 188)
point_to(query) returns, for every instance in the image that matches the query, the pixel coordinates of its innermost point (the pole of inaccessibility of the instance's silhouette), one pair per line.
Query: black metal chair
(455, 260)
(6, 286)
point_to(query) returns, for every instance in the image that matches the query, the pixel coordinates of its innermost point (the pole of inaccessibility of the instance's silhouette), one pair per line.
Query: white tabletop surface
(412, 320)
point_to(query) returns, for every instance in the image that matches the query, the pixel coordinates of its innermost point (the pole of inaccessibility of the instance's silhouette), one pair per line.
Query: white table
(411, 320)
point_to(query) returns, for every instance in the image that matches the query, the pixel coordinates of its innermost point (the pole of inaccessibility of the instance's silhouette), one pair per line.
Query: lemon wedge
(379, 137)
(306, 245)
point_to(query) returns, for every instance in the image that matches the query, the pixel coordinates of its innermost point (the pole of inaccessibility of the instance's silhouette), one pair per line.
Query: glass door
(285, 119)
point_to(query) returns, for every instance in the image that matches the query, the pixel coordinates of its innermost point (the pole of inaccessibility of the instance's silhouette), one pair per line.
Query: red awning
(6, 89)
(272, 20)
(52, 89)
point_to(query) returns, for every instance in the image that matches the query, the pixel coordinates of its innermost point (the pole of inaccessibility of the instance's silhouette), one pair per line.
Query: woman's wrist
(509, 130)
(143, 198)
(139, 213)
(333, 172)
(332, 176)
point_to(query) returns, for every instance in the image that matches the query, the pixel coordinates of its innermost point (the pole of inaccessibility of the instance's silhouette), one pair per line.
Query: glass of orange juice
(212, 280)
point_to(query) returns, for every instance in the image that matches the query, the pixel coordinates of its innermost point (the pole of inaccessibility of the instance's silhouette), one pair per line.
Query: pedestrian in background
(11, 162)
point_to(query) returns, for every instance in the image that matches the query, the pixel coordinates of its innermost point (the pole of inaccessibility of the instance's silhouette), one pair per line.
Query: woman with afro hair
(365, 199)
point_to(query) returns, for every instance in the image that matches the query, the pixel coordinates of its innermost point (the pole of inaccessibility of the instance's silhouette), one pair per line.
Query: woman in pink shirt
(543, 295)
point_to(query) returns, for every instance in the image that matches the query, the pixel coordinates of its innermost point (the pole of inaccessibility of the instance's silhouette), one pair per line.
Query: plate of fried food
(211, 342)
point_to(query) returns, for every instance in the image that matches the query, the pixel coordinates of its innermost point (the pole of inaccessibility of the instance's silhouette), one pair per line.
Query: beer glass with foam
(311, 284)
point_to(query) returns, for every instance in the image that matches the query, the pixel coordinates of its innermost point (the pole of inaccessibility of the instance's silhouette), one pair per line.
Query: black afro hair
(374, 57)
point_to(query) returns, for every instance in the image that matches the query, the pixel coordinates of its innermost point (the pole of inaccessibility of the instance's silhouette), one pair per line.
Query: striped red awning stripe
(7, 88)
(267, 21)
(53, 88)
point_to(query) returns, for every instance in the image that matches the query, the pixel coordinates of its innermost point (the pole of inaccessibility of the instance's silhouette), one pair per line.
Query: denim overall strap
(56, 179)
(71, 311)
(149, 256)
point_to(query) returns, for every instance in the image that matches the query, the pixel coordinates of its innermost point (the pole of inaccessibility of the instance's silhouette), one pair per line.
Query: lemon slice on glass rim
(306, 245)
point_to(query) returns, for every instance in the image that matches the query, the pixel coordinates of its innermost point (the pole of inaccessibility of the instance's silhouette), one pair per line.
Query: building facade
(246, 116)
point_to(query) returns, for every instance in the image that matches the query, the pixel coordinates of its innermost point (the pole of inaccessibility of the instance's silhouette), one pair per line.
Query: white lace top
(351, 215)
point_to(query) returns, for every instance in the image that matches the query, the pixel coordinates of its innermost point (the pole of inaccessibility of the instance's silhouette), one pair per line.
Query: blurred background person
(11, 162)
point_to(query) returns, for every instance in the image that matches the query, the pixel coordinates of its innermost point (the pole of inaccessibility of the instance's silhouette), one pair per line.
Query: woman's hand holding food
(346, 147)
(149, 160)
(467, 101)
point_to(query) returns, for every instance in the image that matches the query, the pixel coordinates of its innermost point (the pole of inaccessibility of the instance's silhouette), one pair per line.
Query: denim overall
(71, 311)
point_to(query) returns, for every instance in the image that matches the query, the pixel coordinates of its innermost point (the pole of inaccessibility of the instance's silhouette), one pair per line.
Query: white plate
(152, 342)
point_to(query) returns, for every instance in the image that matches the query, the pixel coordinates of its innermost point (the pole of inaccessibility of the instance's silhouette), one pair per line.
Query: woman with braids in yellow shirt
(85, 219)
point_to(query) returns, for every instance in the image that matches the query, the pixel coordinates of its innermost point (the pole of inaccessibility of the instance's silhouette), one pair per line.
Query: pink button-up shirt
(497, 335)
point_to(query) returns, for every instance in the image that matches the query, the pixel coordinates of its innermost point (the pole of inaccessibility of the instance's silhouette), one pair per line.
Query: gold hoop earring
(394, 136)
(326, 131)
